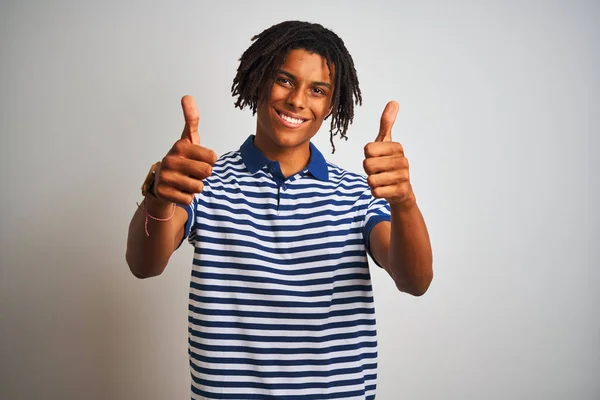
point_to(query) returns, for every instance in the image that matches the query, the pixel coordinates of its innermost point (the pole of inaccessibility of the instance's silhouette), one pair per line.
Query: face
(298, 102)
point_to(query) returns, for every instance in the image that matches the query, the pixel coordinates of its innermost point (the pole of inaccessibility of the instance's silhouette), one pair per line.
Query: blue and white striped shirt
(281, 302)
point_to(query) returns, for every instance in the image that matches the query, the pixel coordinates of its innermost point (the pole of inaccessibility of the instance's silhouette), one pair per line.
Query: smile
(288, 120)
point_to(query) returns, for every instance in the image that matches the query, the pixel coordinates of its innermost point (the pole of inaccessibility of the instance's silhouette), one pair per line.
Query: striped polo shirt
(281, 302)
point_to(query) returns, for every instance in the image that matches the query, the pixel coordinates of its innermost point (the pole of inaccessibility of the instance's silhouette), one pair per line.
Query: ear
(329, 114)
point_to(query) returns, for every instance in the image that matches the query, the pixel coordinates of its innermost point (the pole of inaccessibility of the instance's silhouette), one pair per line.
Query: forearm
(409, 254)
(148, 256)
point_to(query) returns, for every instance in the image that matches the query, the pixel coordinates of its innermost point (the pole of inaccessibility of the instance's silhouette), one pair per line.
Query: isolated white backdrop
(499, 116)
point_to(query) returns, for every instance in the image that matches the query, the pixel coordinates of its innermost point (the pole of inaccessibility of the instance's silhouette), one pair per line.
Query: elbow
(417, 286)
(141, 275)
(416, 291)
(138, 269)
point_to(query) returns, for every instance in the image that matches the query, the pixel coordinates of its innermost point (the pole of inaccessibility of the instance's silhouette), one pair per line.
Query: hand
(182, 170)
(385, 164)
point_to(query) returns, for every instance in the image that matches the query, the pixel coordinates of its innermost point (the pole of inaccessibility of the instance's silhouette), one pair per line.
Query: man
(281, 303)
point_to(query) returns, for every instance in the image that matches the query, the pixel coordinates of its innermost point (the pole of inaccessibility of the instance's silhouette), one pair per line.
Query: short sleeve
(378, 210)
(191, 212)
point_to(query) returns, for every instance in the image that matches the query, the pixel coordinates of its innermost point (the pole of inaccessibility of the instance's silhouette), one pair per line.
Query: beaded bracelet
(154, 218)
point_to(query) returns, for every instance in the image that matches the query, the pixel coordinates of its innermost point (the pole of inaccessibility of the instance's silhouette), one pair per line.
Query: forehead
(304, 64)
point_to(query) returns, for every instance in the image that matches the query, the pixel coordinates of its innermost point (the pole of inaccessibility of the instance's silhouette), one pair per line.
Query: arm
(177, 180)
(402, 246)
(148, 256)
(403, 249)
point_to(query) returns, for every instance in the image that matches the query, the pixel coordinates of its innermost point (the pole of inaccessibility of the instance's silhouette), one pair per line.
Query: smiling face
(299, 101)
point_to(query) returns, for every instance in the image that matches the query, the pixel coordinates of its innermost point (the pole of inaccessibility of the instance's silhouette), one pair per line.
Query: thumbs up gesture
(184, 167)
(385, 164)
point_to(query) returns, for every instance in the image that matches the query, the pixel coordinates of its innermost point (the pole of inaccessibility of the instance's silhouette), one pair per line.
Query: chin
(291, 138)
(284, 141)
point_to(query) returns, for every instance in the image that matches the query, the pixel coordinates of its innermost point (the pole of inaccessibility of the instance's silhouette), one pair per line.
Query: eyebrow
(292, 77)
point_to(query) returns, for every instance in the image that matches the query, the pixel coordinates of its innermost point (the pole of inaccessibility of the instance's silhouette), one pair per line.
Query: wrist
(404, 206)
(157, 207)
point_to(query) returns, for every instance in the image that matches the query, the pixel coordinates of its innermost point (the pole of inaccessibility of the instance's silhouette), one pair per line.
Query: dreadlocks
(268, 52)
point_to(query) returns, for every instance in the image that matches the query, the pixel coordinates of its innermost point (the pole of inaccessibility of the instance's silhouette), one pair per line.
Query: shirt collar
(255, 160)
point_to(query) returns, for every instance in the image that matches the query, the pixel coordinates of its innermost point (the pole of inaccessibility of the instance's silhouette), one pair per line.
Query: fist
(385, 164)
(184, 167)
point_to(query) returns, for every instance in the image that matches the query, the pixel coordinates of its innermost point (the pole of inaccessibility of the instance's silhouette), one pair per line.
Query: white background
(500, 105)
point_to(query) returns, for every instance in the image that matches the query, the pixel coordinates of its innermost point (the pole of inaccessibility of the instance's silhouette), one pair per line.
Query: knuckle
(159, 190)
(166, 179)
(397, 147)
(371, 181)
(180, 145)
(168, 162)
(177, 147)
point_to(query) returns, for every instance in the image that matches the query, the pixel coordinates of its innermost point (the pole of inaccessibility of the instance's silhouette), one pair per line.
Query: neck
(291, 159)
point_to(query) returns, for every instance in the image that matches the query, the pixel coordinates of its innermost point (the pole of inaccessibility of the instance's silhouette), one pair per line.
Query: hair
(255, 74)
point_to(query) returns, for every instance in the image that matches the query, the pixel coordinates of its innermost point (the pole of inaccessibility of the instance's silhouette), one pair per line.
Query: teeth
(291, 120)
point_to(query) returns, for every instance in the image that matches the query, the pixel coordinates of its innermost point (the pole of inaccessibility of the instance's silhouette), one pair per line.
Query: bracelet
(153, 217)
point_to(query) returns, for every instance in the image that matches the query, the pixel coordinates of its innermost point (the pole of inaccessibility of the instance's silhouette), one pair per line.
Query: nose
(297, 98)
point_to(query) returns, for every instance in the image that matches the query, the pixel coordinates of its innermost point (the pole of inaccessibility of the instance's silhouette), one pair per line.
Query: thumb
(387, 122)
(191, 116)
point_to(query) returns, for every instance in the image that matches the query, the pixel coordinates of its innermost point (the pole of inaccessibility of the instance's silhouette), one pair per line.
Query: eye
(319, 91)
(284, 81)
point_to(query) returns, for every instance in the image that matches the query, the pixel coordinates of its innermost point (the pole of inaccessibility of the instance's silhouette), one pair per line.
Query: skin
(302, 89)
(178, 178)
(402, 246)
